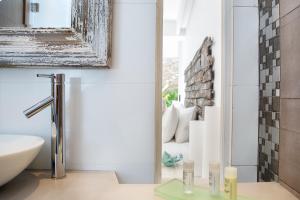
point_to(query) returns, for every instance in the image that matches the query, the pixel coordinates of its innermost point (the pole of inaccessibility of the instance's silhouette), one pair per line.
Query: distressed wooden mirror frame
(87, 44)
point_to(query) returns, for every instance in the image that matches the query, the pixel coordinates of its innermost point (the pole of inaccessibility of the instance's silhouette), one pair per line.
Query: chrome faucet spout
(57, 102)
(38, 107)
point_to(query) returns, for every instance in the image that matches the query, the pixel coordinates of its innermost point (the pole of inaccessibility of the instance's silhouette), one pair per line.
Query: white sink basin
(16, 153)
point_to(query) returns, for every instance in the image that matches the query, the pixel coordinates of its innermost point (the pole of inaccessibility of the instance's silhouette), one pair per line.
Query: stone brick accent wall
(199, 79)
(269, 84)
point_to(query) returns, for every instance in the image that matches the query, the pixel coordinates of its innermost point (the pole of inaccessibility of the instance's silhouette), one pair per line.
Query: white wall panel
(109, 112)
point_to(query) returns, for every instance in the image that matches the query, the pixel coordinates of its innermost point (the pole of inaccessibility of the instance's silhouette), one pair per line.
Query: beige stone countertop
(86, 185)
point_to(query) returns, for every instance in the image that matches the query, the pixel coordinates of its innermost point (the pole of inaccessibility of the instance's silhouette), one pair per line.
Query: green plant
(170, 96)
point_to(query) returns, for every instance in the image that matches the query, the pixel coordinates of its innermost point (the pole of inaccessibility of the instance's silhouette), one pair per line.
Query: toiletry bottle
(188, 176)
(230, 188)
(214, 178)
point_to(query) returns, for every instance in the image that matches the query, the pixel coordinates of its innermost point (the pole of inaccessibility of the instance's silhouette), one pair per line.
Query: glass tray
(173, 190)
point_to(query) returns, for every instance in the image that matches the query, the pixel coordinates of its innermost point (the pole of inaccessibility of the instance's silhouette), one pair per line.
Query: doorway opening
(190, 90)
(210, 76)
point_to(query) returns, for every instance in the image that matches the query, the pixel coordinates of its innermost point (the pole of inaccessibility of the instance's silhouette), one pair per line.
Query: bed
(174, 148)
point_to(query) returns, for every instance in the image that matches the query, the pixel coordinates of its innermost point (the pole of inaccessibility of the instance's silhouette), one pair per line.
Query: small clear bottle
(188, 176)
(214, 178)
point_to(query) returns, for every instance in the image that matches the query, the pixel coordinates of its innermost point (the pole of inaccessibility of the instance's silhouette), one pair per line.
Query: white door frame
(158, 88)
(226, 81)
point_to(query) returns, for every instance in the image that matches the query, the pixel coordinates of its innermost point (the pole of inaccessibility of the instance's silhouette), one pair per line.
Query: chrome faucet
(57, 101)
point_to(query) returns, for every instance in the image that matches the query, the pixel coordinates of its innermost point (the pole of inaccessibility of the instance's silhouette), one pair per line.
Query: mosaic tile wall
(269, 85)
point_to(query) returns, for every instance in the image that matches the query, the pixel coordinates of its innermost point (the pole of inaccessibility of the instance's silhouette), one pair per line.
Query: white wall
(109, 112)
(245, 89)
(205, 20)
(170, 46)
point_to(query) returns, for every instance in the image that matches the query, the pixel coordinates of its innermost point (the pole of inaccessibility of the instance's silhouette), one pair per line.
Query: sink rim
(6, 150)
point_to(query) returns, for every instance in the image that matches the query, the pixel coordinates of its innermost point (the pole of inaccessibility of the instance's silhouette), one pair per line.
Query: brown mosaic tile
(269, 118)
(275, 104)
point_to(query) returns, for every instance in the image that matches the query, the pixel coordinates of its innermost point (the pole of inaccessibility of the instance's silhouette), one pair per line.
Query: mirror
(35, 13)
(55, 33)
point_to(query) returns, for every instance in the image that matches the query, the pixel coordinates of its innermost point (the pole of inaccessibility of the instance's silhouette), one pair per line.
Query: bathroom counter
(37, 185)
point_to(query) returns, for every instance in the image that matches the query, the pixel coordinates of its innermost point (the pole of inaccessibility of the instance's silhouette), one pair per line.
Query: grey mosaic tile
(269, 86)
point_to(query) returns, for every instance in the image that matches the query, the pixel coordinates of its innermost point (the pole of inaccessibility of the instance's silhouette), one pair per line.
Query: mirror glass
(35, 13)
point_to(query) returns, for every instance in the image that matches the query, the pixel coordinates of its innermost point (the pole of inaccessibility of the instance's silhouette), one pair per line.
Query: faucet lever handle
(46, 75)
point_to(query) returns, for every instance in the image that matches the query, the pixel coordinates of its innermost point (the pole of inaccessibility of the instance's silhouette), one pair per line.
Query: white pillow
(177, 105)
(185, 116)
(169, 124)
